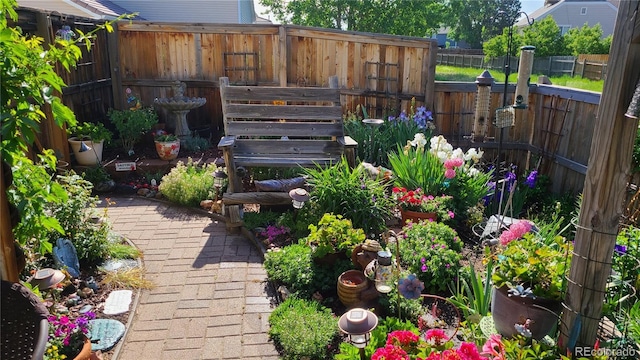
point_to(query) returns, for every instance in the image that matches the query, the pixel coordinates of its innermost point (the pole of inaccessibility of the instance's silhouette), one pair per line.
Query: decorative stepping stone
(121, 264)
(117, 302)
(105, 333)
(65, 255)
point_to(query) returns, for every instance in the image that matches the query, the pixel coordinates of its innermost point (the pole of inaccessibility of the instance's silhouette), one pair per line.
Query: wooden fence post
(604, 188)
(282, 62)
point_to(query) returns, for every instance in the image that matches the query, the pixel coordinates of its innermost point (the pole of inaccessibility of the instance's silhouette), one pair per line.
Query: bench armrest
(226, 141)
(347, 141)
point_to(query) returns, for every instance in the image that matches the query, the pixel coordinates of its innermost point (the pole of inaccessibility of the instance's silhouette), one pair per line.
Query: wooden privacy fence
(594, 68)
(377, 71)
(381, 73)
(553, 134)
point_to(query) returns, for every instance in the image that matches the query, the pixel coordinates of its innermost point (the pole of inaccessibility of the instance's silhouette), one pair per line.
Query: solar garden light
(358, 323)
(298, 196)
(219, 177)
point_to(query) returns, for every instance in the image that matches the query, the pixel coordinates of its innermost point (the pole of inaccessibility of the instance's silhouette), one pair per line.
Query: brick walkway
(210, 299)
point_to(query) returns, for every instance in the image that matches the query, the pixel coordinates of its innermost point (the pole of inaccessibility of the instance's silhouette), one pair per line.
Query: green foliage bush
(293, 267)
(90, 131)
(432, 251)
(132, 124)
(188, 184)
(333, 234)
(415, 168)
(194, 143)
(90, 239)
(351, 193)
(303, 329)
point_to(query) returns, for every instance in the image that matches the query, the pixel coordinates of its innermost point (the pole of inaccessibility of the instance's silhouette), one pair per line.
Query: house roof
(568, 12)
(95, 9)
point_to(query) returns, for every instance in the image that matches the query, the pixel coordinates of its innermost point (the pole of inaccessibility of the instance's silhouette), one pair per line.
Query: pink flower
(494, 347)
(402, 338)
(451, 214)
(449, 164)
(520, 228)
(468, 351)
(437, 336)
(506, 237)
(457, 162)
(450, 173)
(390, 352)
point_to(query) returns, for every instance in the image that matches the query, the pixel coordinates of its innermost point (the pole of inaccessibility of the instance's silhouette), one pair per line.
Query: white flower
(419, 140)
(457, 153)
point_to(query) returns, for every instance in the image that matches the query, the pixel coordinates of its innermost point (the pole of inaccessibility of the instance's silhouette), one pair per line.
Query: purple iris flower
(531, 179)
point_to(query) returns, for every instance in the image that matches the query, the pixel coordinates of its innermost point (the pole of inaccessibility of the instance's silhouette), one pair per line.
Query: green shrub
(254, 220)
(332, 235)
(303, 329)
(132, 124)
(351, 193)
(194, 143)
(188, 184)
(410, 309)
(291, 266)
(432, 251)
(90, 239)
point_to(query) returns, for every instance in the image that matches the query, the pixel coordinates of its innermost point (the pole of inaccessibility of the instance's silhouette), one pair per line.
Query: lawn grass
(454, 73)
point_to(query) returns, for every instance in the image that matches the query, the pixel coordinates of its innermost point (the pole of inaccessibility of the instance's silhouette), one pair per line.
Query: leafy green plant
(254, 220)
(393, 304)
(90, 239)
(96, 175)
(351, 193)
(33, 192)
(194, 143)
(188, 184)
(291, 266)
(303, 329)
(431, 250)
(537, 264)
(375, 146)
(132, 124)
(472, 293)
(417, 168)
(95, 132)
(333, 234)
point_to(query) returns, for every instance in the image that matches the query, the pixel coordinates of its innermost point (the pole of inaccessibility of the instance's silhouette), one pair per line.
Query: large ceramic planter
(416, 216)
(351, 284)
(92, 154)
(507, 311)
(168, 150)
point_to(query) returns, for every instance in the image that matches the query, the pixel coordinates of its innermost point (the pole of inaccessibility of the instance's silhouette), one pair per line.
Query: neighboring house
(185, 11)
(444, 42)
(569, 14)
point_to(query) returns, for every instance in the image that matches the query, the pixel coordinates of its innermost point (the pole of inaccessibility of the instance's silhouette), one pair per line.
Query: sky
(528, 6)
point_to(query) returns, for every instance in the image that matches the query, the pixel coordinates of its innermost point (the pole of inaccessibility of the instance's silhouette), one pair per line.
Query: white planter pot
(168, 150)
(90, 157)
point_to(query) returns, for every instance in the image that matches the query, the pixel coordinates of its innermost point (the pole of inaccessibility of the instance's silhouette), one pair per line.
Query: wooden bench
(268, 126)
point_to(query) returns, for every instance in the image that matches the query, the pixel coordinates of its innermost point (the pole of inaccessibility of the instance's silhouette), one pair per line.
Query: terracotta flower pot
(416, 216)
(85, 352)
(507, 311)
(168, 150)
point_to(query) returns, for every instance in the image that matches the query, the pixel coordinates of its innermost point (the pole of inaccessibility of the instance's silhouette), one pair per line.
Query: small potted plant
(528, 279)
(167, 145)
(87, 141)
(415, 205)
(333, 238)
(68, 337)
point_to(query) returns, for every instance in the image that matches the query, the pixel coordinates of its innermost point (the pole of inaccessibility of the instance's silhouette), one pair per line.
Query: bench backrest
(282, 120)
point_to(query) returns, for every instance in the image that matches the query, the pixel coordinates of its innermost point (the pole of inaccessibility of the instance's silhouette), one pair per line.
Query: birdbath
(179, 106)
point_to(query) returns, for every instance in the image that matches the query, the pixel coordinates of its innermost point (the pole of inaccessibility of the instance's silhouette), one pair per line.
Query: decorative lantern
(483, 97)
(524, 73)
(384, 272)
(219, 177)
(299, 196)
(358, 323)
(373, 124)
